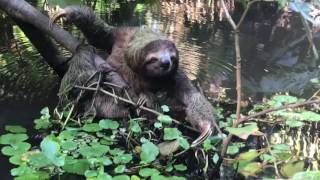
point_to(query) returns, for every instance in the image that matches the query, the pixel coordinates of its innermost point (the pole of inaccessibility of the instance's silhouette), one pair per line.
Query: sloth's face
(161, 59)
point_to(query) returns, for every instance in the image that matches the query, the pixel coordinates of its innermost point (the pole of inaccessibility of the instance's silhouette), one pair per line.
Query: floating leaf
(21, 170)
(69, 145)
(120, 169)
(180, 167)
(104, 176)
(15, 129)
(106, 161)
(279, 100)
(12, 138)
(232, 149)
(90, 173)
(244, 132)
(165, 119)
(122, 159)
(15, 149)
(307, 175)
(157, 125)
(134, 177)
(39, 160)
(16, 160)
(149, 152)
(289, 169)
(165, 108)
(108, 124)
(76, 166)
(93, 127)
(147, 172)
(183, 143)
(171, 133)
(51, 149)
(96, 150)
(121, 177)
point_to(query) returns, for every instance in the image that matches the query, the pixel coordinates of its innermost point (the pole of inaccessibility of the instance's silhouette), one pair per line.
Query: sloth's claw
(206, 132)
(61, 13)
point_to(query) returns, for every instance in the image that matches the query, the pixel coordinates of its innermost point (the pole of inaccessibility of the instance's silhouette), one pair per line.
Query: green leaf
(90, 173)
(169, 168)
(12, 138)
(282, 3)
(21, 170)
(171, 133)
(307, 175)
(149, 152)
(108, 124)
(120, 169)
(106, 161)
(15, 129)
(251, 169)
(279, 100)
(135, 127)
(16, 160)
(39, 160)
(248, 156)
(232, 149)
(96, 150)
(244, 132)
(121, 177)
(147, 172)
(122, 159)
(180, 167)
(16, 149)
(51, 149)
(289, 169)
(134, 177)
(165, 108)
(69, 145)
(165, 119)
(294, 123)
(93, 127)
(183, 143)
(116, 151)
(76, 166)
(215, 158)
(104, 176)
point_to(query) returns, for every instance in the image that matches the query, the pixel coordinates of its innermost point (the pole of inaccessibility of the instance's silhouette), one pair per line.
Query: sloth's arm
(98, 33)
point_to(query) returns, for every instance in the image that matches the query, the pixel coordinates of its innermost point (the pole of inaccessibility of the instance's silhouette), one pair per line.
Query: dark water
(206, 50)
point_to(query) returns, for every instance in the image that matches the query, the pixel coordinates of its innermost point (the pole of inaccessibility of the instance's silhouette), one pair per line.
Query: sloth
(148, 64)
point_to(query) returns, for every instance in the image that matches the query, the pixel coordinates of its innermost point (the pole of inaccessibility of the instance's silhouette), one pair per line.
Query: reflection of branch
(309, 36)
(238, 66)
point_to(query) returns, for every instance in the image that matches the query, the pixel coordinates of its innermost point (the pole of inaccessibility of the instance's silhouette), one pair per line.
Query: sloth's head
(152, 55)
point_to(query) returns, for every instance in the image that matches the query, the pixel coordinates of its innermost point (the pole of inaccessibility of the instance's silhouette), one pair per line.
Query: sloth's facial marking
(161, 59)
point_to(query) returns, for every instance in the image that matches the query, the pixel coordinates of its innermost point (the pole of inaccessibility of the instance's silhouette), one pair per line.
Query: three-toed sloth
(147, 62)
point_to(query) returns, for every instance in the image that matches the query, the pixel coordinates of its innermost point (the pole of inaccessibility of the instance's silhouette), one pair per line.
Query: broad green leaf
(171, 133)
(279, 100)
(69, 145)
(122, 159)
(16, 160)
(289, 169)
(116, 151)
(108, 124)
(39, 160)
(232, 149)
(21, 170)
(180, 167)
(51, 149)
(157, 125)
(121, 177)
(15, 129)
(149, 152)
(307, 175)
(90, 173)
(93, 127)
(294, 123)
(76, 166)
(120, 169)
(18, 148)
(12, 138)
(244, 132)
(104, 176)
(106, 161)
(165, 119)
(147, 172)
(134, 177)
(96, 150)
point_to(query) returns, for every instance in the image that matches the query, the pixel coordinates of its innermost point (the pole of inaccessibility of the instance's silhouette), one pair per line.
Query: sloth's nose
(165, 63)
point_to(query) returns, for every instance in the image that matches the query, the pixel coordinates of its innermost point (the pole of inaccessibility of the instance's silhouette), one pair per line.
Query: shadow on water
(206, 50)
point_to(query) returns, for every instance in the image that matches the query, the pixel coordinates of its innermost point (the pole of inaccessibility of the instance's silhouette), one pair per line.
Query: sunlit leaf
(12, 138)
(183, 143)
(90, 173)
(294, 123)
(51, 149)
(248, 156)
(251, 169)
(244, 132)
(289, 169)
